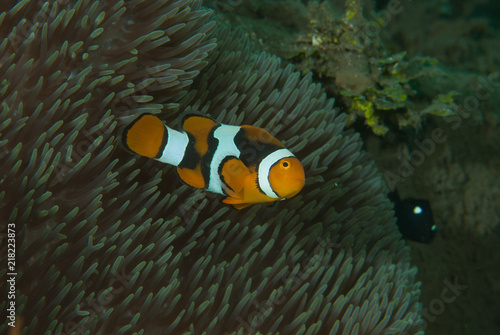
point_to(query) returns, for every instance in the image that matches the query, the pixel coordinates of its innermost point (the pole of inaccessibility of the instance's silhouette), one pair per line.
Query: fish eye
(285, 164)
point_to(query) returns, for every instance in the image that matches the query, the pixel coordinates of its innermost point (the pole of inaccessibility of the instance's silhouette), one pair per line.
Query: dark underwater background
(459, 42)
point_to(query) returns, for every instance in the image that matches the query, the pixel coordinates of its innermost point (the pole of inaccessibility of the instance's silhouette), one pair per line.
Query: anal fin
(191, 177)
(241, 206)
(236, 203)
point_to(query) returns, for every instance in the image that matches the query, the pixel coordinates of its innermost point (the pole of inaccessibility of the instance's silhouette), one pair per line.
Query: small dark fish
(415, 220)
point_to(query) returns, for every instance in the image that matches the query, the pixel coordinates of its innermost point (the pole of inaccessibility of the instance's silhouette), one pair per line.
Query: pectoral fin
(234, 174)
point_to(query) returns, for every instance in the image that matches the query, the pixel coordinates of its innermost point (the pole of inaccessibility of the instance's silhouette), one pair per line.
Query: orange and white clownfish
(244, 163)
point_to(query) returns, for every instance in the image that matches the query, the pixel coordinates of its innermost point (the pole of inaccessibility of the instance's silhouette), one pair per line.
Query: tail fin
(145, 136)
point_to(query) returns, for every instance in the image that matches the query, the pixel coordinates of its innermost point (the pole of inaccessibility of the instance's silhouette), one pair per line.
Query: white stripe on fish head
(265, 168)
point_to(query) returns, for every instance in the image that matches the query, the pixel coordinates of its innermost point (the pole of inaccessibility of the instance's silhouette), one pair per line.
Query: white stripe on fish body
(265, 167)
(174, 150)
(226, 147)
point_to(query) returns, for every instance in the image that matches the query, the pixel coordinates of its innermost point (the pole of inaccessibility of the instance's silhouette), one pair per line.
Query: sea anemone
(111, 243)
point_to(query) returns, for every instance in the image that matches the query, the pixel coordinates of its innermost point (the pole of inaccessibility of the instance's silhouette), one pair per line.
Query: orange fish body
(244, 163)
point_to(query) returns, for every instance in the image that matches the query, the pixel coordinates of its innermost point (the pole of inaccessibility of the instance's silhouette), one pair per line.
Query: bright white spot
(317, 40)
(417, 210)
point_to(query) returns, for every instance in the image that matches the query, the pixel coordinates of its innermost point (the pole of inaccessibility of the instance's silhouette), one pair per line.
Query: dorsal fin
(260, 135)
(199, 127)
(195, 123)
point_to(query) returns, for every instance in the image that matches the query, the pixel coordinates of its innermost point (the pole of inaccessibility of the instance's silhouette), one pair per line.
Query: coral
(109, 243)
(348, 55)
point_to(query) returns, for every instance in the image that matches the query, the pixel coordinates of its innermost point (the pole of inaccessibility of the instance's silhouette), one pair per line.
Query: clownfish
(244, 163)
